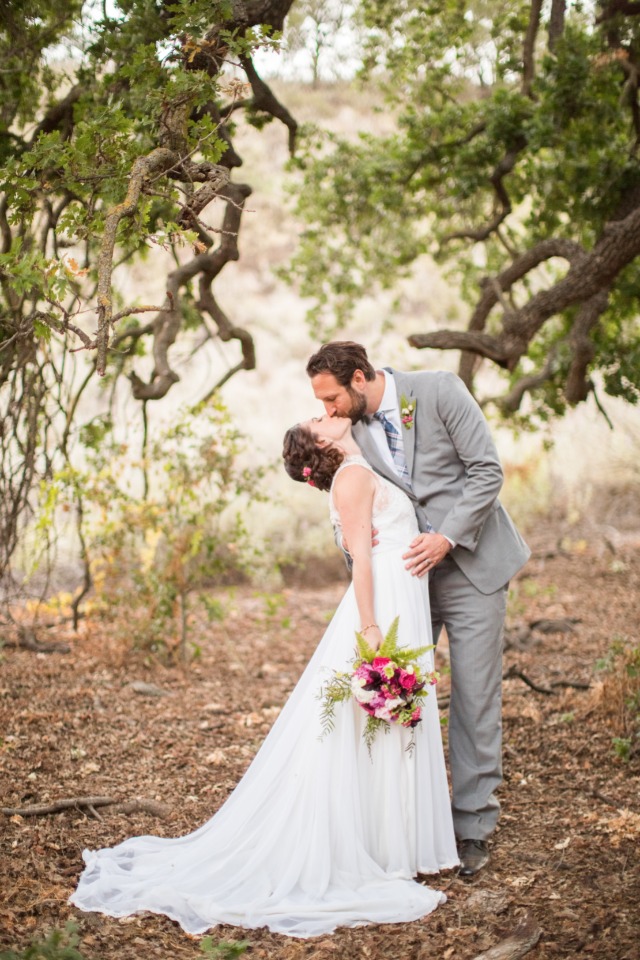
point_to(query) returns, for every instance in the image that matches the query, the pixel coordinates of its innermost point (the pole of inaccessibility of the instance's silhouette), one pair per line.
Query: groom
(425, 433)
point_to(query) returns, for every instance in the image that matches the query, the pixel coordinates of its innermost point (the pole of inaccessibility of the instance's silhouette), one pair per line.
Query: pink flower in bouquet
(363, 672)
(379, 663)
(408, 680)
(415, 718)
(384, 666)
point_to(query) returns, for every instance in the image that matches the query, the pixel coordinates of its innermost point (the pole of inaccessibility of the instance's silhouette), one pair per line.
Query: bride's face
(329, 429)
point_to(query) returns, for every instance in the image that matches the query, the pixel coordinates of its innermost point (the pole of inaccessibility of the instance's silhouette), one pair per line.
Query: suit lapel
(408, 435)
(371, 455)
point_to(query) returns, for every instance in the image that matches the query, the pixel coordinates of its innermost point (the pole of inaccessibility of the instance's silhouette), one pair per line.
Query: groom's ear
(358, 379)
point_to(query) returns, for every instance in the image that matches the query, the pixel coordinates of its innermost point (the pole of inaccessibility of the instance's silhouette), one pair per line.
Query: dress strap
(354, 460)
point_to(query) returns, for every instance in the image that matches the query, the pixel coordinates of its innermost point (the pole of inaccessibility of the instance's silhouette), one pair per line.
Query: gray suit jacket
(455, 476)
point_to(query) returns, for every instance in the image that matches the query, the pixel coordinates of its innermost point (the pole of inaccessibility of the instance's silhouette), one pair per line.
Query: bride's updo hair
(304, 460)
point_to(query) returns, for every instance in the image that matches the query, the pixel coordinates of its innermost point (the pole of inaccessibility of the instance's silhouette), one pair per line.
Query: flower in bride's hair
(306, 473)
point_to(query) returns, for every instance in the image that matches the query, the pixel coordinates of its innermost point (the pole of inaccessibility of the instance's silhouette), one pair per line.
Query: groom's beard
(358, 407)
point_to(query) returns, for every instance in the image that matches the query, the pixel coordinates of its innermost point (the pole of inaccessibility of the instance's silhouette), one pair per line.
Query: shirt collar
(389, 402)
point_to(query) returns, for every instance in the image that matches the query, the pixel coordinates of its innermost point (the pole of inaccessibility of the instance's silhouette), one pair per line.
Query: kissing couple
(329, 831)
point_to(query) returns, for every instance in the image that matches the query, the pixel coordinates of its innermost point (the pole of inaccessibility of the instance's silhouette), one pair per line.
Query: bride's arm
(353, 497)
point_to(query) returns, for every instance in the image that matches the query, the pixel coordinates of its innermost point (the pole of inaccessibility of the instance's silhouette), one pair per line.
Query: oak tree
(116, 134)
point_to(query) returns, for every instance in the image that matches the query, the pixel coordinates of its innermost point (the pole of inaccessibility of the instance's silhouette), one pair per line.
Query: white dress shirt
(388, 406)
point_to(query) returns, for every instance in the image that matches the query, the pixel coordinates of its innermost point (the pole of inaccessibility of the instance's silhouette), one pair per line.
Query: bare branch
(131, 310)
(512, 400)
(521, 266)
(264, 99)
(480, 343)
(61, 325)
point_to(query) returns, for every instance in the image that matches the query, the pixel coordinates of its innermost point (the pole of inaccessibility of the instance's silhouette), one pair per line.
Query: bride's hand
(374, 638)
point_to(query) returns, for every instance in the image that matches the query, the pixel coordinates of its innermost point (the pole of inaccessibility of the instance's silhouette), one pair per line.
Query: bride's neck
(350, 447)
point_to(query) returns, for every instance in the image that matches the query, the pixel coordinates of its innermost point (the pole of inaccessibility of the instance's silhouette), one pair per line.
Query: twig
(513, 672)
(600, 796)
(590, 792)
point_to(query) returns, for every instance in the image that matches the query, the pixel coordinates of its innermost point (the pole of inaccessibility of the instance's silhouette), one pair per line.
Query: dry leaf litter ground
(567, 849)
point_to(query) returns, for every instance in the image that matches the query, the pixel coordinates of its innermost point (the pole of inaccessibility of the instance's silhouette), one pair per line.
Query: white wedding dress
(318, 834)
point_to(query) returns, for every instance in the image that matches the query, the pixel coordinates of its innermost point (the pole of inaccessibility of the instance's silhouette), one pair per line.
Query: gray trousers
(474, 623)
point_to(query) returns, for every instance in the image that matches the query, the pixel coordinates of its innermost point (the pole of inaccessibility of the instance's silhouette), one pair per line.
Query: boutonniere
(407, 409)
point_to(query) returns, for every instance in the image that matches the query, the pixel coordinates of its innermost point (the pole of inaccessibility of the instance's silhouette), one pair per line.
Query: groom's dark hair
(341, 358)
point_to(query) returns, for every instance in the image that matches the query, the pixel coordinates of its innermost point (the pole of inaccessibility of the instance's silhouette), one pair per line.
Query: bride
(319, 833)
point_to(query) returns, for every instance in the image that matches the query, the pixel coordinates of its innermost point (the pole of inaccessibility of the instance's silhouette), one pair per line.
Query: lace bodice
(393, 513)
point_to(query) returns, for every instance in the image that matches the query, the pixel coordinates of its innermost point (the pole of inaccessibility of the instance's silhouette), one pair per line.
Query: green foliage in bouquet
(401, 656)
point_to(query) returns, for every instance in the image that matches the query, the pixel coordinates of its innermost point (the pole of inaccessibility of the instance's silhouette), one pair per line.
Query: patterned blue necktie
(396, 447)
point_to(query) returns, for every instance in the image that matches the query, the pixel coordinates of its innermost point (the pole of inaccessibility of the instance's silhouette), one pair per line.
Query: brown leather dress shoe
(474, 855)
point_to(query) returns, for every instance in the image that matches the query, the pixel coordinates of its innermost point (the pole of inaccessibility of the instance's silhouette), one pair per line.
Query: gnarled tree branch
(158, 161)
(586, 284)
(169, 322)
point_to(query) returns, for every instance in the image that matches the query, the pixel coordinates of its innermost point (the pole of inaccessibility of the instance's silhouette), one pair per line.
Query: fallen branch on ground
(27, 640)
(89, 803)
(513, 672)
(565, 625)
(524, 938)
(574, 684)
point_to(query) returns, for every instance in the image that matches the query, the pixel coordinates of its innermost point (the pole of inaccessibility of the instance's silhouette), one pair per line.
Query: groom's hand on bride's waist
(425, 552)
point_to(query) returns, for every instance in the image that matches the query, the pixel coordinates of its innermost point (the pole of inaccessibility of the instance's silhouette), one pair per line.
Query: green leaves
(223, 949)
(58, 945)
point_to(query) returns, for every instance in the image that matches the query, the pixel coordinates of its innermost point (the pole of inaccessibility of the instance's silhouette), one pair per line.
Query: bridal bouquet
(387, 683)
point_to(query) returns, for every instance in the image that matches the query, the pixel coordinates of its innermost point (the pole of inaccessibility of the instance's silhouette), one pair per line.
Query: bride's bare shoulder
(352, 481)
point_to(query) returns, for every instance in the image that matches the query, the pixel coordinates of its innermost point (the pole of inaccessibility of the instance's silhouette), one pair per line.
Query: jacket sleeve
(337, 536)
(474, 456)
